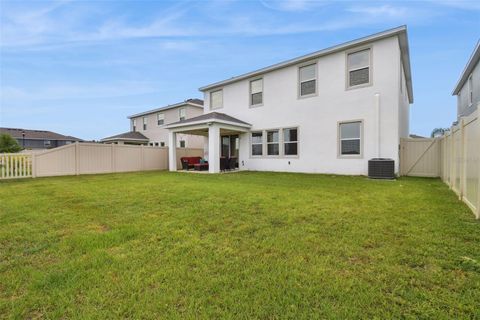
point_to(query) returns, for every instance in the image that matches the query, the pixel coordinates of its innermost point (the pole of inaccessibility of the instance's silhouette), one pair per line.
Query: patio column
(172, 151)
(214, 148)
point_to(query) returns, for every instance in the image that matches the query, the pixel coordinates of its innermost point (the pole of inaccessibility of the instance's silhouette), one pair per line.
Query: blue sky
(81, 67)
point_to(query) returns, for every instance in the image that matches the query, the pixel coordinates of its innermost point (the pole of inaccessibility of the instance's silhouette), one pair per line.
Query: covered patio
(218, 128)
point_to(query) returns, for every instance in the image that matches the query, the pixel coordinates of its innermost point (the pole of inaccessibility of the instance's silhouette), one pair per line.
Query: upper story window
(307, 80)
(160, 119)
(256, 92)
(145, 120)
(257, 143)
(290, 141)
(216, 99)
(470, 90)
(358, 68)
(181, 114)
(182, 143)
(350, 138)
(134, 125)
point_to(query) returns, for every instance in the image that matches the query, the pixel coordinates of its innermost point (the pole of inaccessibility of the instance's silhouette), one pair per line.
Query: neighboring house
(38, 139)
(149, 127)
(325, 112)
(467, 89)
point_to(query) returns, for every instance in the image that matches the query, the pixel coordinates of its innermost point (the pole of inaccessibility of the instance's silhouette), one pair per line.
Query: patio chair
(232, 163)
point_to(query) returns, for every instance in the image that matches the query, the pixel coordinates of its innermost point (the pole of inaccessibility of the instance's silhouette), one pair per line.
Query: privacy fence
(88, 158)
(455, 158)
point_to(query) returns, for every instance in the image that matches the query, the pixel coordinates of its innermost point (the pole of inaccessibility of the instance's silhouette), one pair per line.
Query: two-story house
(38, 140)
(149, 127)
(325, 112)
(467, 89)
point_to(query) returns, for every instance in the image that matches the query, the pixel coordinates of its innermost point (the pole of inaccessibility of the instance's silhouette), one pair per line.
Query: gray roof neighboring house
(127, 136)
(17, 133)
(401, 32)
(191, 102)
(210, 117)
(472, 62)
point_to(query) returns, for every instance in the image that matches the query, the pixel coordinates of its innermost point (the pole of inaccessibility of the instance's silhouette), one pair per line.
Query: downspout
(377, 114)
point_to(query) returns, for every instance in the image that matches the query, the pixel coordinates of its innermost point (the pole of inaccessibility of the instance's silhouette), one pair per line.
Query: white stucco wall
(156, 133)
(317, 117)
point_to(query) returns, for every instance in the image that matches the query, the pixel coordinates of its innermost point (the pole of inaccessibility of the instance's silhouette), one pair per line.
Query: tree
(438, 132)
(8, 144)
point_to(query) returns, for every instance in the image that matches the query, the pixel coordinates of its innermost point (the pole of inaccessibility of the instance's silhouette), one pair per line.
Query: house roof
(191, 102)
(36, 134)
(129, 136)
(400, 32)
(472, 62)
(210, 117)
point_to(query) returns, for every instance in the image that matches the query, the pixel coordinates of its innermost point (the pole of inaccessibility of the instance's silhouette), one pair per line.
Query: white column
(172, 151)
(214, 149)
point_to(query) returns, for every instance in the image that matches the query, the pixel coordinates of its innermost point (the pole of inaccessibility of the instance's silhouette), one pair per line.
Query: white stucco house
(325, 112)
(149, 127)
(467, 88)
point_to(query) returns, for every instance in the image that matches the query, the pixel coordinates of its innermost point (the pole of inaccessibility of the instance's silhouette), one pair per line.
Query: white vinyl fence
(88, 158)
(455, 158)
(460, 154)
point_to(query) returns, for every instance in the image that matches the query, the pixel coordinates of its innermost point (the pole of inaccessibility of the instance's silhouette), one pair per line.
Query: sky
(81, 67)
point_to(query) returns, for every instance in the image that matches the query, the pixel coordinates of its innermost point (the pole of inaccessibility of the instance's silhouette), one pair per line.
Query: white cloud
(380, 11)
(293, 5)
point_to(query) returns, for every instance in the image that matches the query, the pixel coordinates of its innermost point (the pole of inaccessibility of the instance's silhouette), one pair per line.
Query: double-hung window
(160, 119)
(181, 114)
(358, 68)
(307, 80)
(273, 145)
(290, 141)
(216, 99)
(256, 92)
(350, 135)
(134, 125)
(257, 143)
(162, 144)
(182, 143)
(145, 120)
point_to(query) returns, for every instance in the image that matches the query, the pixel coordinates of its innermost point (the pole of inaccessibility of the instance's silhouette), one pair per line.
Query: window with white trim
(273, 145)
(216, 99)
(182, 143)
(162, 144)
(307, 76)
(290, 141)
(358, 68)
(350, 138)
(470, 90)
(145, 120)
(160, 119)
(256, 92)
(257, 143)
(181, 114)
(134, 125)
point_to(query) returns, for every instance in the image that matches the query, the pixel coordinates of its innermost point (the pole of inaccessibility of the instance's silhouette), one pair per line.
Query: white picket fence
(88, 158)
(15, 165)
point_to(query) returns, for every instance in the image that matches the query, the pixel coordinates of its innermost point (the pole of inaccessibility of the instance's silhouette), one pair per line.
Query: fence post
(143, 157)
(77, 159)
(113, 155)
(34, 165)
(452, 157)
(477, 138)
(463, 160)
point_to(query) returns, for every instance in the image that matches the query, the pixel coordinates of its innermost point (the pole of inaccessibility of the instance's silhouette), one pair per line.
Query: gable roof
(36, 134)
(472, 62)
(191, 102)
(400, 32)
(210, 117)
(131, 135)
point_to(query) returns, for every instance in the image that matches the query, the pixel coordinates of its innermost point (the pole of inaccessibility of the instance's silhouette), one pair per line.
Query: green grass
(245, 245)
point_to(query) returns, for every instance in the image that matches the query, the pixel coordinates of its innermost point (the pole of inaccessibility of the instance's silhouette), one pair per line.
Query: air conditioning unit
(381, 168)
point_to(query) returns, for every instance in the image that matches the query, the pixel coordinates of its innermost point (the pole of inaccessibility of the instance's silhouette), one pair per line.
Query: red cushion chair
(189, 162)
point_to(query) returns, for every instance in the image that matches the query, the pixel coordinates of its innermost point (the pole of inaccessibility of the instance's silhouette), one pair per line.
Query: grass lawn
(243, 245)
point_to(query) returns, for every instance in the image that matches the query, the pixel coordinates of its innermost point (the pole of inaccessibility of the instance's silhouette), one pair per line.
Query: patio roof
(212, 117)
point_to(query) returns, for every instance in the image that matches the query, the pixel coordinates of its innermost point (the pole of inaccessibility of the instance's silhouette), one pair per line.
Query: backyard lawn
(243, 245)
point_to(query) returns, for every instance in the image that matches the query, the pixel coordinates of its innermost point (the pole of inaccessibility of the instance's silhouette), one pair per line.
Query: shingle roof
(212, 116)
(37, 134)
(192, 102)
(131, 135)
